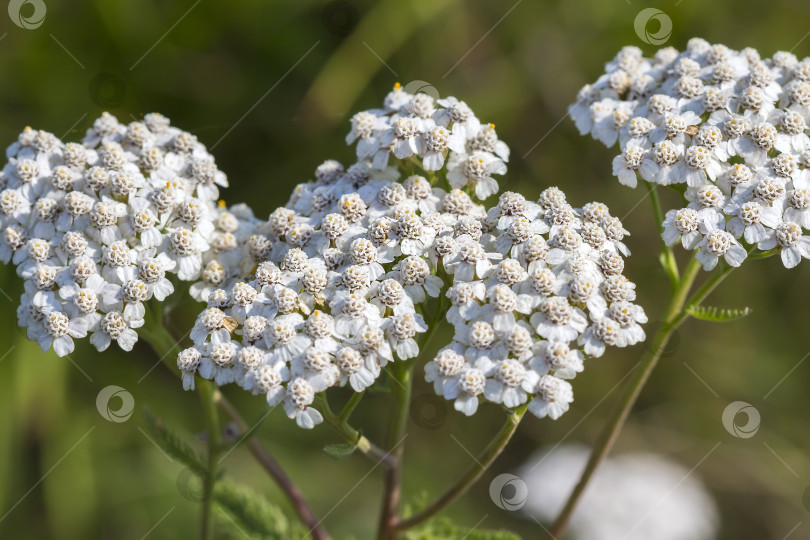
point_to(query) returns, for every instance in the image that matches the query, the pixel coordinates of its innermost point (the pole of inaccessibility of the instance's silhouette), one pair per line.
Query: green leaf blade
(339, 451)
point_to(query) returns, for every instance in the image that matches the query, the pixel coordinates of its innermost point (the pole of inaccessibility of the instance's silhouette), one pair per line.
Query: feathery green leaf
(715, 314)
(172, 443)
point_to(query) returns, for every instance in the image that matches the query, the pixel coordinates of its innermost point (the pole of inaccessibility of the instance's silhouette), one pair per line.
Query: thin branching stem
(471, 475)
(677, 312)
(352, 435)
(401, 374)
(347, 410)
(164, 345)
(402, 377)
(206, 390)
(667, 256)
(672, 319)
(274, 469)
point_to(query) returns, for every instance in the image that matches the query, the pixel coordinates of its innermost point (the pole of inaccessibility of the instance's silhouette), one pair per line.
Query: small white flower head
(553, 397)
(298, 401)
(188, 360)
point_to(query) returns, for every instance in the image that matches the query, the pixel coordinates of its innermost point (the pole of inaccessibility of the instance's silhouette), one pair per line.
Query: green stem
(673, 317)
(164, 345)
(350, 406)
(667, 257)
(704, 291)
(369, 449)
(402, 377)
(206, 390)
(762, 254)
(471, 475)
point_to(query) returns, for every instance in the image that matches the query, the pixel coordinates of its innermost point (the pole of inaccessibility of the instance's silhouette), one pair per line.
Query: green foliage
(172, 443)
(715, 314)
(247, 510)
(338, 451)
(254, 514)
(444, 528)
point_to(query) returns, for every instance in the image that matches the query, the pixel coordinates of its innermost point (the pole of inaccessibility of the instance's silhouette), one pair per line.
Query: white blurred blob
(631, 497)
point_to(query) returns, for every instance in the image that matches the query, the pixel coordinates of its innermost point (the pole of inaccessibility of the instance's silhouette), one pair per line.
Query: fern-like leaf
(253, 513)
(172, 443)
(715, 314)
(250, 511)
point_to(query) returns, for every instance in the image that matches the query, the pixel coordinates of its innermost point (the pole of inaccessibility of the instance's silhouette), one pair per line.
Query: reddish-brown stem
(275, 471)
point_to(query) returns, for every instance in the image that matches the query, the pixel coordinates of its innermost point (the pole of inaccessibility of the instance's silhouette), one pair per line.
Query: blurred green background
(271, 85)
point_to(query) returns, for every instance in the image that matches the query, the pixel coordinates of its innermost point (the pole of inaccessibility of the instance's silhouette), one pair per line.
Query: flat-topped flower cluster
(355, 272)
(95, 228)
(727, 128)
(335, 285)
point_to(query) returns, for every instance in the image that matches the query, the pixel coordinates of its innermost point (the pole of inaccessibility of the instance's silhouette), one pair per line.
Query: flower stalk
(471, 475)
(350, 434)
(274, 469)
(206, 390)
(676, 313)
(402, 377)
(164, 344)
(667, 257)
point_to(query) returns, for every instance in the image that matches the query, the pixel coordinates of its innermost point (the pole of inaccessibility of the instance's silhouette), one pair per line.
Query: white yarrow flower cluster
(335, 285)
(437, 133)
(541, 289)
(728, 127)
(95, 228)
